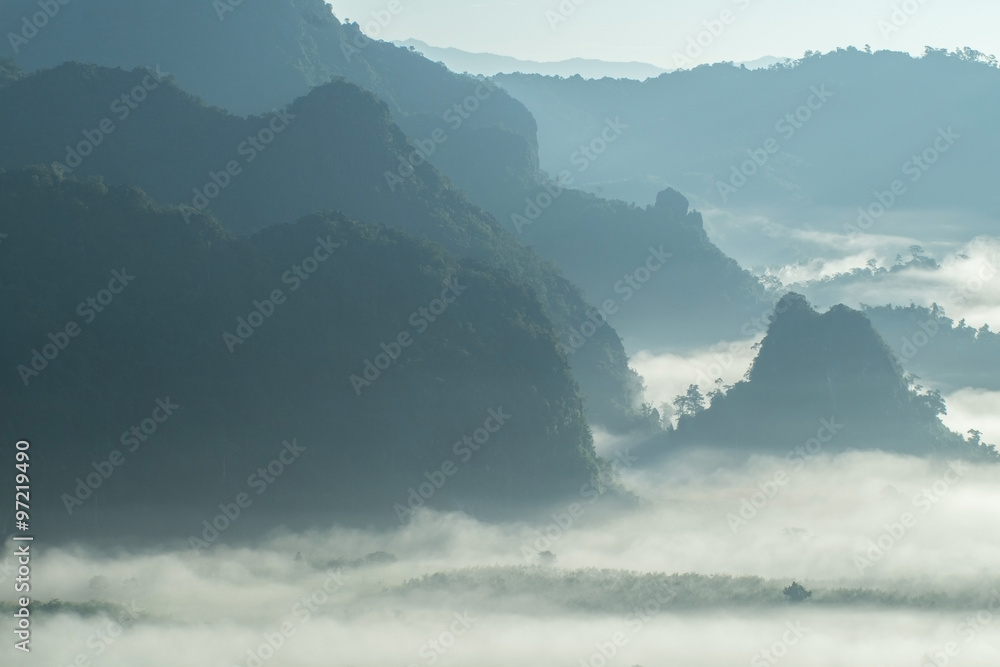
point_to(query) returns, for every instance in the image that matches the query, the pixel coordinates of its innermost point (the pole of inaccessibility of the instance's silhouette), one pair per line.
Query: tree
(934, 403)
(690, 403)
(716, 393)
(797, 593)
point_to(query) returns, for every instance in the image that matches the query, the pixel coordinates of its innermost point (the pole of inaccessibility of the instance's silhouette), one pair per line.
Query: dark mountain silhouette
(194, 321)
(827, 380)
(332, 152)
(261, 56)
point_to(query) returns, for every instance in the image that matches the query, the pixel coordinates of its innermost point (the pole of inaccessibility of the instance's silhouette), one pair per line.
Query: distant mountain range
(773, 140)
(490, 64)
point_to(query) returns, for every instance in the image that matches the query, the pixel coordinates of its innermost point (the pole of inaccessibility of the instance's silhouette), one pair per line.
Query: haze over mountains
(652, 273)
(289, 307)
(490, 64)
(804, 107)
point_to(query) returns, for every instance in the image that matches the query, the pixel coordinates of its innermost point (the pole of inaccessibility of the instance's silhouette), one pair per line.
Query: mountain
(329, 150)
(763, 62)
(490, 64)
(827, 382)
(931, 345)
(687, 131)
(189, 359)
(252, 58)
(653, 270)
(248, 58)
(261, 56)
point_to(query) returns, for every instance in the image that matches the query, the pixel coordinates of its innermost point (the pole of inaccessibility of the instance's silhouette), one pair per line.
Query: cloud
(669, 374)
(974, 409)
(216, 607)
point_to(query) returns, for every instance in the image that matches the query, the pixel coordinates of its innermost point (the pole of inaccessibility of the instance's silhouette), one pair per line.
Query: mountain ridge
(829, 371)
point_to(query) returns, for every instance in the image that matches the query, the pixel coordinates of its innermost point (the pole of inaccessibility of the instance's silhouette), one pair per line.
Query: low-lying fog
(916, 540)
(808, 250)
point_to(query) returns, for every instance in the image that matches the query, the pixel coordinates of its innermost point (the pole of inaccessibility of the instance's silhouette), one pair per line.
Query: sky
(661, 31)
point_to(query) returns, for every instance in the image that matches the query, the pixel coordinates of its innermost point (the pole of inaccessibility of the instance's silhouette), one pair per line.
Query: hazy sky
(654, 31)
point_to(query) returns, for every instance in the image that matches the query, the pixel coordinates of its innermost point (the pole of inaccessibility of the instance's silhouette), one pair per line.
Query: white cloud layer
(211, 609)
